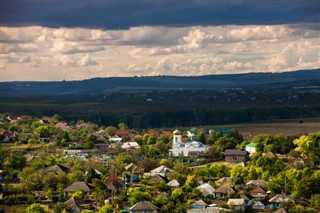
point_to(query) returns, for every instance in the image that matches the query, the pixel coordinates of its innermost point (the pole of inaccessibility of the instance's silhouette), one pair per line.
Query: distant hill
(102, 86)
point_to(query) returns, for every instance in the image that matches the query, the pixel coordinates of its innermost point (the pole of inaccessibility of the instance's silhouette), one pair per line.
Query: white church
(188, 148)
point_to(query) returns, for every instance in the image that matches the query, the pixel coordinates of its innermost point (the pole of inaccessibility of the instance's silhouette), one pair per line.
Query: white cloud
(29, 52)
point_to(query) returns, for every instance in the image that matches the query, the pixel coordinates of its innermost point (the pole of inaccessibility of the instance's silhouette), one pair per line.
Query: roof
(280, 211)
(173, 183)
(206, 188)
(199, 203)
(143, 206)
(74, 202)
(251, 145)
(261, 183)
(230, 152)
(128, 145)
(158, 178)
(258, 203)
(113, 179)
(122, 132)
(176, 132)
(76, 186)
(131, 166)
(161, 170)
(225, 189)
(258, 189)
(7, 134)
(224, 180)
(237, 202)
(61, 125)
(58, 167)
(279, 198)
(269, 154)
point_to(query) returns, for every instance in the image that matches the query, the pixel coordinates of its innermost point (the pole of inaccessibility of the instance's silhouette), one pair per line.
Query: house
(115, 138)
(77, 205)
(258, 193)
(77, 186)
(97, 172)
(174, 184)
(134, 172)
(236, 156)
(180, 148)
(269, 154)
(6, 136)
(13, 118)
(115, 184)
(207, 190)
(199, 204)
(254, 183)
(58, 167)
(130, 145)
(122, 133)
(63, 126)
(166, 133)
(225, 181)
(277, 200)
(158, 179)
(248, 199)
(143, 207)
(44, 121)
(259, 205)
(239, 204)
(161, 170)
(251, 148)
(223, 191)
(282, 210)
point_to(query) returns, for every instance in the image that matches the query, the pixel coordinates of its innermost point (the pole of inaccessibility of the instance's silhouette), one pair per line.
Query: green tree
(108, 208)
(309, 146)
(88, 145)
(100, 190)
(35, 208)
(90, 175)
(43, 131)
(59, 207)
(177, 195)
(110, 130)
(123, 126)
(201, 137)
(136, 195)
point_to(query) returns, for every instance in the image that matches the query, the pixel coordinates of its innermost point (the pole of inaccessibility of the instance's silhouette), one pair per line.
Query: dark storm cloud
(125, 14)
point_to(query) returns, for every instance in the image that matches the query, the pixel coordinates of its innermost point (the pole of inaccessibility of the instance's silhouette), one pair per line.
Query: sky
(54, 40)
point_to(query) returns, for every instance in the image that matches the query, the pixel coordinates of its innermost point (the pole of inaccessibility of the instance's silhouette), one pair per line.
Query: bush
(18, 199)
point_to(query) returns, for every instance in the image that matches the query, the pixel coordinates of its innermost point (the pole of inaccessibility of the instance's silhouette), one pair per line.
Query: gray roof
(225, 189)
(199, 203)
(236, 152)
(261, 183)
(143, 206)
(58, 167)
(206, 188)
(173, 183)
(76, 186)
(280, 198)
(161, 170)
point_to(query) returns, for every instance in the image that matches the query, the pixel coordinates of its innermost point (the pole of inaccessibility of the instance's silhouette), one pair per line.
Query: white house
(185, 148)
(251, 148)
(130, 145)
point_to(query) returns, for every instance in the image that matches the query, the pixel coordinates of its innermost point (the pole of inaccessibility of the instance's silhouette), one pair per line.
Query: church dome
(176, 132)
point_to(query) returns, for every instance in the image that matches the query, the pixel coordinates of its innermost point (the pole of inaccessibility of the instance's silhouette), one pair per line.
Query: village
(50, 165)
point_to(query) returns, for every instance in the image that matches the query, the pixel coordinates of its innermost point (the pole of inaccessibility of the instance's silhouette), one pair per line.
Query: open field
(286, 127)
